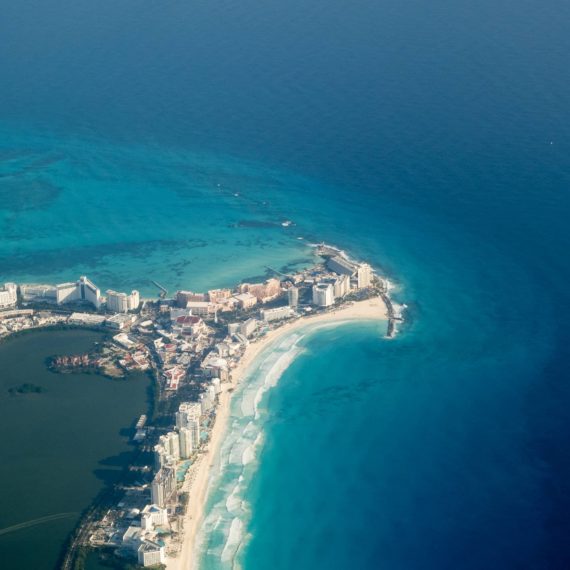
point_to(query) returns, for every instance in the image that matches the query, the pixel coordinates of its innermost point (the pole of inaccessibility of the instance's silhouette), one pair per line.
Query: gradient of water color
(431, 138)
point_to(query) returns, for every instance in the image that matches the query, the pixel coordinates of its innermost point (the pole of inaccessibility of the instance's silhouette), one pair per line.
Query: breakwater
(392, 316)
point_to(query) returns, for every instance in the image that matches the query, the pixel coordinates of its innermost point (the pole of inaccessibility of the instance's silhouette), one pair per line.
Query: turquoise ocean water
(169, 141)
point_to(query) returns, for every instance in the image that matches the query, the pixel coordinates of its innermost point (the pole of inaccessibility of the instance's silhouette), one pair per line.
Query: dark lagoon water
(59, 447)
(170, 140)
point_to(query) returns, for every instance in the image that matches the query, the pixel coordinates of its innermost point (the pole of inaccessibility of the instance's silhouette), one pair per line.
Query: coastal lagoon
(431, 139)
(59, 447)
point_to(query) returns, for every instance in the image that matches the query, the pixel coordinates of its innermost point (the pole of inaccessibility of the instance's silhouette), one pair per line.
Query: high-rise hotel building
(188, 416)
(186, 438)
(323, 294)
(121, 302)
(364, 275)
(82, 290)
(293, 296)
(8, 295)
(163, 486)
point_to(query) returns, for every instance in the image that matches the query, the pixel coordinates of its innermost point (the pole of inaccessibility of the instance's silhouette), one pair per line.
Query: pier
(163, 290)
(278, 272)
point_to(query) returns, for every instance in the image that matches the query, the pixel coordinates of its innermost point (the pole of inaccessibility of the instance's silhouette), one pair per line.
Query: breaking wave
(223, 535)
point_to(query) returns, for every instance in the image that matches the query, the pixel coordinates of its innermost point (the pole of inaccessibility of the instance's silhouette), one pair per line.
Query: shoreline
(180, 346)
(199, 475)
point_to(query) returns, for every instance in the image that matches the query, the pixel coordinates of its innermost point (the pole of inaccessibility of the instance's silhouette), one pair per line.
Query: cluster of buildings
(340, 277)
(188, 339)
(135, 360)
(81, 291)
(245, 297)
(145, 536)
(136, 528)
(181, 340)
(113, 359)
(174, 446)
(118, 321)
(142, 529)
(14, 320)
(346, 277)
(263, 292)
(75, 291)
(185, 340)
(187, 343)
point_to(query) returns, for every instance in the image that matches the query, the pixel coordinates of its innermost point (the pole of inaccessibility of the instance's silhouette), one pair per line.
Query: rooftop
(188, 320)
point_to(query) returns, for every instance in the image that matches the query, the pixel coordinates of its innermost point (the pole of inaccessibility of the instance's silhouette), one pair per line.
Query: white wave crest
(234, 540)
(233, 502)
(229, 511)
(248, 454)
(274, 374)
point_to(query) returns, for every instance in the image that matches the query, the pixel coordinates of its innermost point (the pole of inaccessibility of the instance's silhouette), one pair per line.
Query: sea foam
(227, 511)
(234, 540)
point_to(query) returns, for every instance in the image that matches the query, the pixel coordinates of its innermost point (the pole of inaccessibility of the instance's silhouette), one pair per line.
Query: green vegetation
(183, 499)
(80, 558)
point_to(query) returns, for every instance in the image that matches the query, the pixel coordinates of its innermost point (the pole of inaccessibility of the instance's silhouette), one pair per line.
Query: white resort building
(153, 516)
(341, 266)
(323, 294)
(8, 296)
(121, 302)
(341, 286)
(276, 314)
(186, 438)
(150, 553)
(364, 275)
(81, 290)
(38, 293)
(163, 486)
(293, 296)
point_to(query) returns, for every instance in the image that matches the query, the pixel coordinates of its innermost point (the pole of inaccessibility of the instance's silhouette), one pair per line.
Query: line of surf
(223, 533)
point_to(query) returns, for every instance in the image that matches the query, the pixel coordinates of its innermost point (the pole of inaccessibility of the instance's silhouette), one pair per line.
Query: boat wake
(35, 522)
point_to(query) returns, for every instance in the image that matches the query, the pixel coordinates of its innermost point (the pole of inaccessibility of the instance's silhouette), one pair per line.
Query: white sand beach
(199, 474)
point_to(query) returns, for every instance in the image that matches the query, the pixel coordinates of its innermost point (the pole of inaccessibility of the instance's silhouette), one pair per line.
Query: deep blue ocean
(169, 140)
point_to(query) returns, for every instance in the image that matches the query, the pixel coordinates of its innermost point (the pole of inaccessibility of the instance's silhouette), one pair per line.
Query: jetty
(393, 317)
(163, 290)
(279, 272)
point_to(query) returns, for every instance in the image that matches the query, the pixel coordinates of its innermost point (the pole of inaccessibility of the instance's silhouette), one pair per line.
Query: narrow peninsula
(198, 347)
